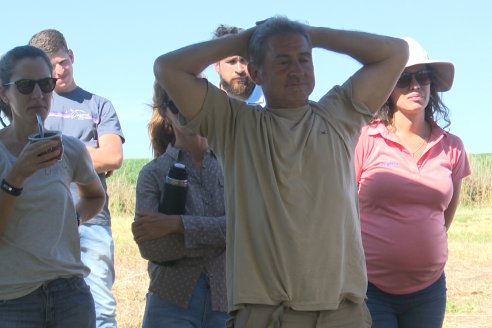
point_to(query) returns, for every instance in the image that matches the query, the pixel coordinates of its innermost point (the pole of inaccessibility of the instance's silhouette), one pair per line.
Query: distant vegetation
(477, 188)
(121, 187)
(476, 191)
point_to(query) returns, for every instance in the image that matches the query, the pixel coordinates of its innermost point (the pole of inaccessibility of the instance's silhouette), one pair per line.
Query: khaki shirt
(293, 232)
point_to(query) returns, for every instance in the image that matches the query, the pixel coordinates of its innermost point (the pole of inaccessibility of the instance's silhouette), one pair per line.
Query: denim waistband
(62, 283)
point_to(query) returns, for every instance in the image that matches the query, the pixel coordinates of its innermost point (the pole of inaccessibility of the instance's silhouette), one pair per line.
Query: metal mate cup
(50, 135)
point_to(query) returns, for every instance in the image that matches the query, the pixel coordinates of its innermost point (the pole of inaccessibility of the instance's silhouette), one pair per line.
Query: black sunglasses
(172, 107)
(26, 86)
(422, 77)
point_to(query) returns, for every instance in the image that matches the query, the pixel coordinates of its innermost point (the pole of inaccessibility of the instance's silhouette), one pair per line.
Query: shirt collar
(175, 152)
(379, 128)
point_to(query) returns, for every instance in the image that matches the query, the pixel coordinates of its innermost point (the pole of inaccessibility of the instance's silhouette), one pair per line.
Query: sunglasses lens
(47, 85)
(404, 80)
(422, 77)
(25, 86)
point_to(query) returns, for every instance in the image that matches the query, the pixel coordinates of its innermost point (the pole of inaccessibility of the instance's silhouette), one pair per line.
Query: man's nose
(240, 67)
(296, 69)
(58, 70)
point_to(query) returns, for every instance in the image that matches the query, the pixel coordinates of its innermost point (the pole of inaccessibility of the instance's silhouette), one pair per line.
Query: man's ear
(254, 73)
(217, 66)
(70, 55)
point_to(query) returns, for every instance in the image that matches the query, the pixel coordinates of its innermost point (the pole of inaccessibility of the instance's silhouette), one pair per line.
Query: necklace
(424, 141)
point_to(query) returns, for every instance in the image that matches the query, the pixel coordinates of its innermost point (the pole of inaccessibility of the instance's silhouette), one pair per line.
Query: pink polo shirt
(402, 204)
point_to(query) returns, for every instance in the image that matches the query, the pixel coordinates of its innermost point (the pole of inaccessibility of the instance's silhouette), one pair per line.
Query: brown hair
(50, 41)
(161, 131)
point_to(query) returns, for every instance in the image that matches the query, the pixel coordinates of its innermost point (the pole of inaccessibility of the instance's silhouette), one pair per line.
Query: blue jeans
(422, 309)
(58, 303)
(97, 252)
(199, 314)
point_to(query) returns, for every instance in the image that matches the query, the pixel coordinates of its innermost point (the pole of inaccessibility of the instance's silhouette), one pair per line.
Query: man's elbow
(117, 161)
(112, 163)
(403, 52)
(113, 159)
(160, 68)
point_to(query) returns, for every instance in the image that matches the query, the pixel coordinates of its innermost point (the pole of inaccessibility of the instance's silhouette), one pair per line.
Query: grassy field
(131, 275)
(468, 271)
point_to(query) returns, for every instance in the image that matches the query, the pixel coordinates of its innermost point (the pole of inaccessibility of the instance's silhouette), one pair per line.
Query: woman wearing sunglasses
(41, 274)
(409, 173)
(186, 252)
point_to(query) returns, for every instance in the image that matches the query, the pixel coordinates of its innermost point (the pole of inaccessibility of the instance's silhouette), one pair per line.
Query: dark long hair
(434, 111)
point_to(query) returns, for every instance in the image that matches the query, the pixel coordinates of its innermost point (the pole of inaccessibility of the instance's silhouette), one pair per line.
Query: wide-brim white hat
(443, 71)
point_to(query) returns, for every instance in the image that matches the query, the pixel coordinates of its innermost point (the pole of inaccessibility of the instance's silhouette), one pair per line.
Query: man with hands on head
(294, 251)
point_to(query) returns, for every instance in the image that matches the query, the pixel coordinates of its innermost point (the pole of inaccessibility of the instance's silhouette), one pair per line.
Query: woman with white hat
(409, 173)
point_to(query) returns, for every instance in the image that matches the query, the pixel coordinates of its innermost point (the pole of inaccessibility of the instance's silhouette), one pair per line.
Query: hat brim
(443, 73)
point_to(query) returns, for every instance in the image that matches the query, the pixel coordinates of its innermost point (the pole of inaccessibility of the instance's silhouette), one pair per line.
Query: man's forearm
(108, 156)
(104, 160)
(180, 70)
(364, 47)
(194, 59)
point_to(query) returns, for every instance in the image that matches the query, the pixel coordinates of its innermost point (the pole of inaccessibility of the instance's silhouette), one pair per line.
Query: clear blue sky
(116, 42)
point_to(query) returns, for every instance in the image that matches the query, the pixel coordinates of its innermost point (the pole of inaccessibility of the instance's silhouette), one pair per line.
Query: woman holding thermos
(185, 249)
